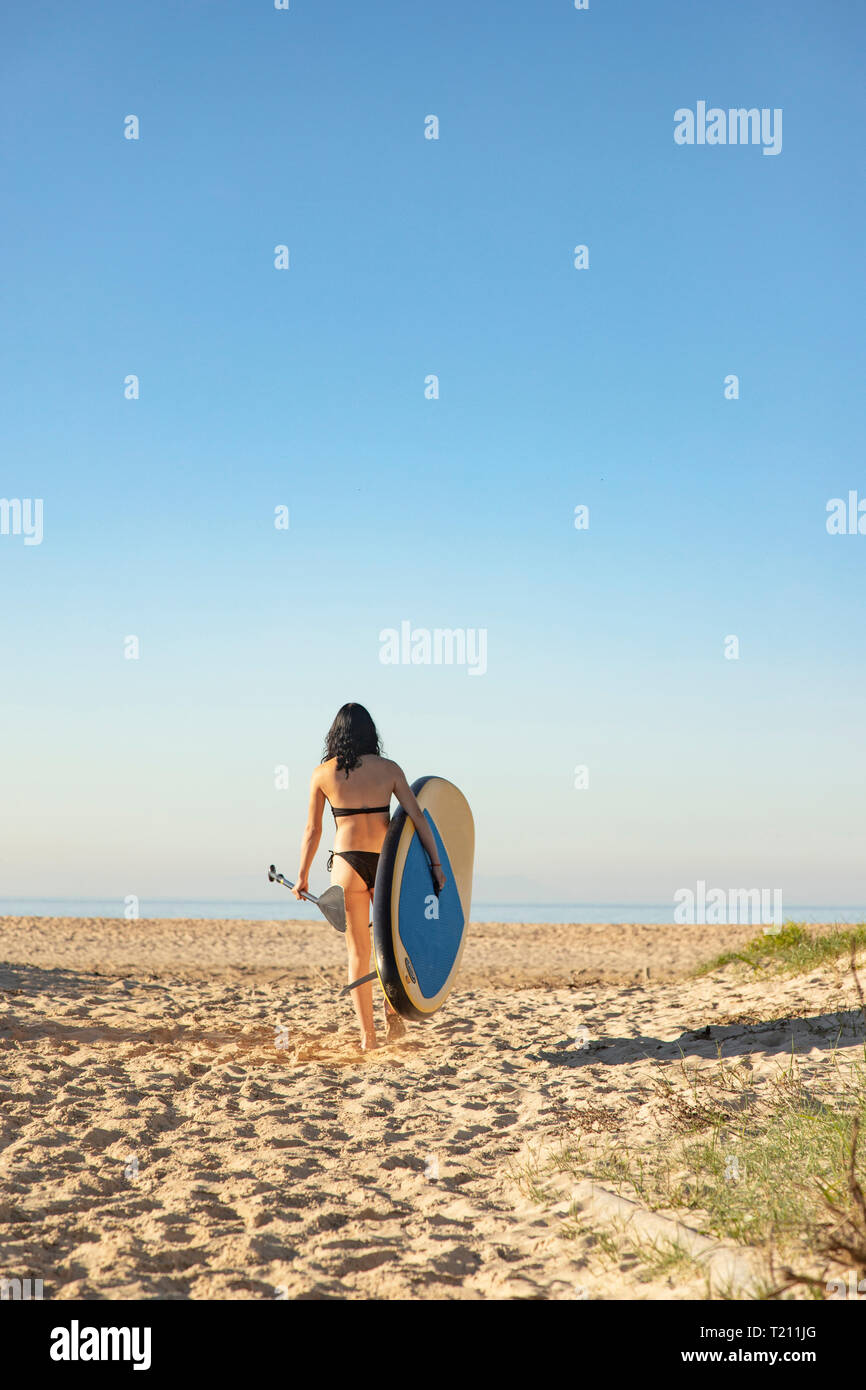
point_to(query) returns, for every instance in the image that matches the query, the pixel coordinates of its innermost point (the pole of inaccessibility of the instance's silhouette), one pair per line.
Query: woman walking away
(358, 784)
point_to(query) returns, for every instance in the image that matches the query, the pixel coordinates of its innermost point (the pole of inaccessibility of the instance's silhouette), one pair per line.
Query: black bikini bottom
(363, 861)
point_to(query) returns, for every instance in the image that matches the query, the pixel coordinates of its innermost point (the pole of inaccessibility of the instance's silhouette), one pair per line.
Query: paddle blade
(332, 904)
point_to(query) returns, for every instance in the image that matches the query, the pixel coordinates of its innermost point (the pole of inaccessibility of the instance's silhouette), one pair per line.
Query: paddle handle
(278, 878)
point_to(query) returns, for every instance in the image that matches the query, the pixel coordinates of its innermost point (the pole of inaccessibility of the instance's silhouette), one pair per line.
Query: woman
(359, 783)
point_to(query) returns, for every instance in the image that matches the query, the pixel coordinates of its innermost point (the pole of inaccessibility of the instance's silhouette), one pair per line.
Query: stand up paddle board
(418, 936)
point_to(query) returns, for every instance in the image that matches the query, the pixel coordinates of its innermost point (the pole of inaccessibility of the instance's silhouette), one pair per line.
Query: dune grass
(770, 1179)
(777, 1167)
(784, 1177)
(794, 950)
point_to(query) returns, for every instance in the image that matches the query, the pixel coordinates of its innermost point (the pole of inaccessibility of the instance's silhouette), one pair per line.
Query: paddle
(364, 980)
(331, 903)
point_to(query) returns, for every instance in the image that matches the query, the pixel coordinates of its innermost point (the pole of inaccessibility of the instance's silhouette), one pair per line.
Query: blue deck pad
(432, 943)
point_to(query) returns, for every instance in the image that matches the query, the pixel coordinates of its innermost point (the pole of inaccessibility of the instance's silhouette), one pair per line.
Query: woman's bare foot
(368, 1042)
(394, 1026)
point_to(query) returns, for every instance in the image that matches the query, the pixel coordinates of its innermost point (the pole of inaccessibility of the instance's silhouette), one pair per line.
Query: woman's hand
(302, 886)
(438, 876)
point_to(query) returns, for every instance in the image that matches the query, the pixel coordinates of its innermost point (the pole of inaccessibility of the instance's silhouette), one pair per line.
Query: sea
(288, 908)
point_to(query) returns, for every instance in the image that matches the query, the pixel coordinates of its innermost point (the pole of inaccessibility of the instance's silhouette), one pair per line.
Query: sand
(184, 1112)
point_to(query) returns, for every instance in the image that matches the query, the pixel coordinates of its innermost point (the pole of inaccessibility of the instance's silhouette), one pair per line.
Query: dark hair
(352, 734)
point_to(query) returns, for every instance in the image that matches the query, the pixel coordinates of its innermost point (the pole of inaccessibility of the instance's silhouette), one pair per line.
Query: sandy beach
(184, 1112)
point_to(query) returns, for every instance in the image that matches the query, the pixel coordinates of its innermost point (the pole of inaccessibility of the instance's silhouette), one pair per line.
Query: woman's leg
(358, 899)
(358, 943)
(394, 1025)
(359, 902)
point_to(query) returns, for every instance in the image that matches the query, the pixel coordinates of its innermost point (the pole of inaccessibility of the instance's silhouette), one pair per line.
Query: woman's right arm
(312, 835)
(408, 801)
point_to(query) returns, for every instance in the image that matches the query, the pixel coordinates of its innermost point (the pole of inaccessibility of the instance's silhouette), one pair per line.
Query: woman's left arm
(407, 800)
(312, 835)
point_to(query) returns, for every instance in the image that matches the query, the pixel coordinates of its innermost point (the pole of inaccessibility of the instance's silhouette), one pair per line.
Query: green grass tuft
(793, 950)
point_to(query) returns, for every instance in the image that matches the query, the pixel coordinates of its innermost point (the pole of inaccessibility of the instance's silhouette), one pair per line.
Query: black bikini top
(359, 810)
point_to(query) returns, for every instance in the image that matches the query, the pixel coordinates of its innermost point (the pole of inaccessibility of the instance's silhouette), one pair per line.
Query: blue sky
(558, 387)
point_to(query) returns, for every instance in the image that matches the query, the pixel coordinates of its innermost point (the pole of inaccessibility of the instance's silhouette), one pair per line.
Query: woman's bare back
(371, 783)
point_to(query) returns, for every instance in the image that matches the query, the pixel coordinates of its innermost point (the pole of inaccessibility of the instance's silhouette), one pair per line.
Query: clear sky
(305, 387)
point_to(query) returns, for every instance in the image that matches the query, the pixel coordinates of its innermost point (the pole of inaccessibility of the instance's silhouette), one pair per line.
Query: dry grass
(777, 1168)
